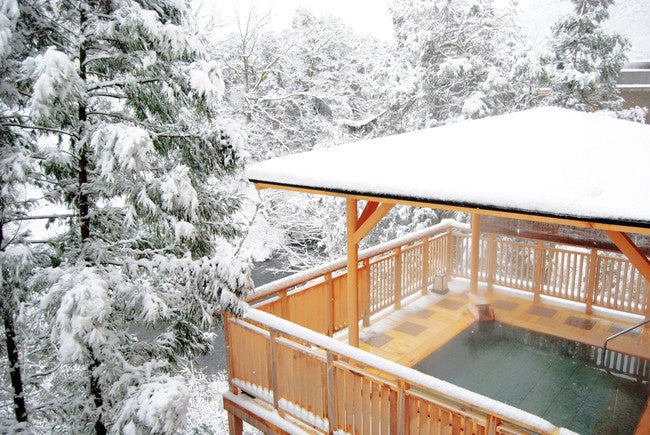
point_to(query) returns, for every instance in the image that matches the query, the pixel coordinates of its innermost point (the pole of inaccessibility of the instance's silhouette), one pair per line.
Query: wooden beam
(631, 251)
(467, 209)
(559, 234)
(368, 221)
(352, 281)
(368, 210)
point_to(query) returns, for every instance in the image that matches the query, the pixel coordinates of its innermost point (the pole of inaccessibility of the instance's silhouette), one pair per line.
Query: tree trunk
(96, 393)
(83, 204)
(14, 367)
(20, 410)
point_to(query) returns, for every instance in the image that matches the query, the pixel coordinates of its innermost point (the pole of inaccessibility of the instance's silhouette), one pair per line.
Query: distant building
(634, 84)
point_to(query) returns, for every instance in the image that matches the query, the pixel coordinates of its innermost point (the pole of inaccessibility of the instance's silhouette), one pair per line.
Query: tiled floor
(430, 321)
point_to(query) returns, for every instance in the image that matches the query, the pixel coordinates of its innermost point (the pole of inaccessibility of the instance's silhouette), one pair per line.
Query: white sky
(631, 17)
(365, 16)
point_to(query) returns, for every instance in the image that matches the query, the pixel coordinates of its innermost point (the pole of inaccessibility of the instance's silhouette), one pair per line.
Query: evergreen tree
(586, 60)
(145, 168)
(23, 31)
(467, 58)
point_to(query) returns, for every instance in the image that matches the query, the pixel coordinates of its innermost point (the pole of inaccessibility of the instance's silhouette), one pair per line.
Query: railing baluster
(402, 400)
(274, 371)
(331, 394)
(592, 280)
(492, 261)
(364, 288)
(539, 268)
(425, 265)
(449, 263)
(398, 278)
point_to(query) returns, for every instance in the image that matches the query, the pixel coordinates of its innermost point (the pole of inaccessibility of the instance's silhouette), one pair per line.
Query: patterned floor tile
(580, 322)
(450, 304)
(504, 305)
(542, 311)
(377, 340)
(423, 313)
(410, 328)
(616, 328)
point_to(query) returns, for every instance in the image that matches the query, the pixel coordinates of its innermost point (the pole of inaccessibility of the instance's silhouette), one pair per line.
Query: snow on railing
(329, 385)
(299, 278)
(393, 271)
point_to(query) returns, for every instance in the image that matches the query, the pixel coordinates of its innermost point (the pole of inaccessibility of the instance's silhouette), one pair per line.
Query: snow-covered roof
(545, 161)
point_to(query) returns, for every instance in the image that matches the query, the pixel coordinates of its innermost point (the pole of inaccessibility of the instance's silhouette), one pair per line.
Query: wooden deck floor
(430, 321)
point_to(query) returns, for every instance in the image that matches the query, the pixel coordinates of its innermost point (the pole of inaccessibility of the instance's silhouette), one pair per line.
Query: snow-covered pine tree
(23, 32)
(144, 165)
(468, 57)
(586, 60)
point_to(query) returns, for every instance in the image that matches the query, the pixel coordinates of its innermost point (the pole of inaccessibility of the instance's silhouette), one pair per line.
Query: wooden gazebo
(546, 165)
(546, 168)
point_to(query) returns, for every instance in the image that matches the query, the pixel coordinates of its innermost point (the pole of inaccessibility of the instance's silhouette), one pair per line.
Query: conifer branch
(40, 217)
(38, 127)
(123, 83)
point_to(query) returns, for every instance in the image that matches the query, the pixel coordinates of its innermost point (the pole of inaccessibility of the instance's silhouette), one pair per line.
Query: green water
(542, 375)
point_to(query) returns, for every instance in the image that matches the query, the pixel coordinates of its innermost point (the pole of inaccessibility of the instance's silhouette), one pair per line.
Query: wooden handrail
(333, 354)
(270, 289)
(592, 277)
(589, 277)
(618, 334)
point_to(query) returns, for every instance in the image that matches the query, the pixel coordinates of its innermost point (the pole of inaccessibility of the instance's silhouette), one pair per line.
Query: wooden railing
(391, 272)
(327, 386)
(387, 274)
(280, 353)
(589, 276)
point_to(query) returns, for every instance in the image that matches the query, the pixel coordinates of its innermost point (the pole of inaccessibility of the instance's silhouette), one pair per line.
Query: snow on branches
(56, 84)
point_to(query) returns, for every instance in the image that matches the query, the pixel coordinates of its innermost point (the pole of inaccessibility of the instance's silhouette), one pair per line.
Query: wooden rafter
(631, 251)
(370, 217)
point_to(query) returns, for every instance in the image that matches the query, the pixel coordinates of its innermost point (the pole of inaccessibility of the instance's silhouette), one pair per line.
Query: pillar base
(480, 308)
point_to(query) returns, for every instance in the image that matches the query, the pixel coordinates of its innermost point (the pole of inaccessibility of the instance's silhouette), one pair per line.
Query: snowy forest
(127, 226)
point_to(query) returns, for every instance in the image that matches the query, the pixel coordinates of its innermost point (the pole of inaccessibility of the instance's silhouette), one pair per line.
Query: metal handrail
(618, 334)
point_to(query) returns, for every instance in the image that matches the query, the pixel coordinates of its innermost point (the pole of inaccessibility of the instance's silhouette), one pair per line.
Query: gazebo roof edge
(639, 227)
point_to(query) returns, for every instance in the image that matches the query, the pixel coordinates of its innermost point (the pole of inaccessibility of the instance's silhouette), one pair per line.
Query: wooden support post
(479, 306)
(357, 229)
(492, 261)
(329, 305)
(425, 265)
(538, 271)
(592, 281)
(449, 263)
(353, 264)
(398, 278)
(331, 395)
(476, 249)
